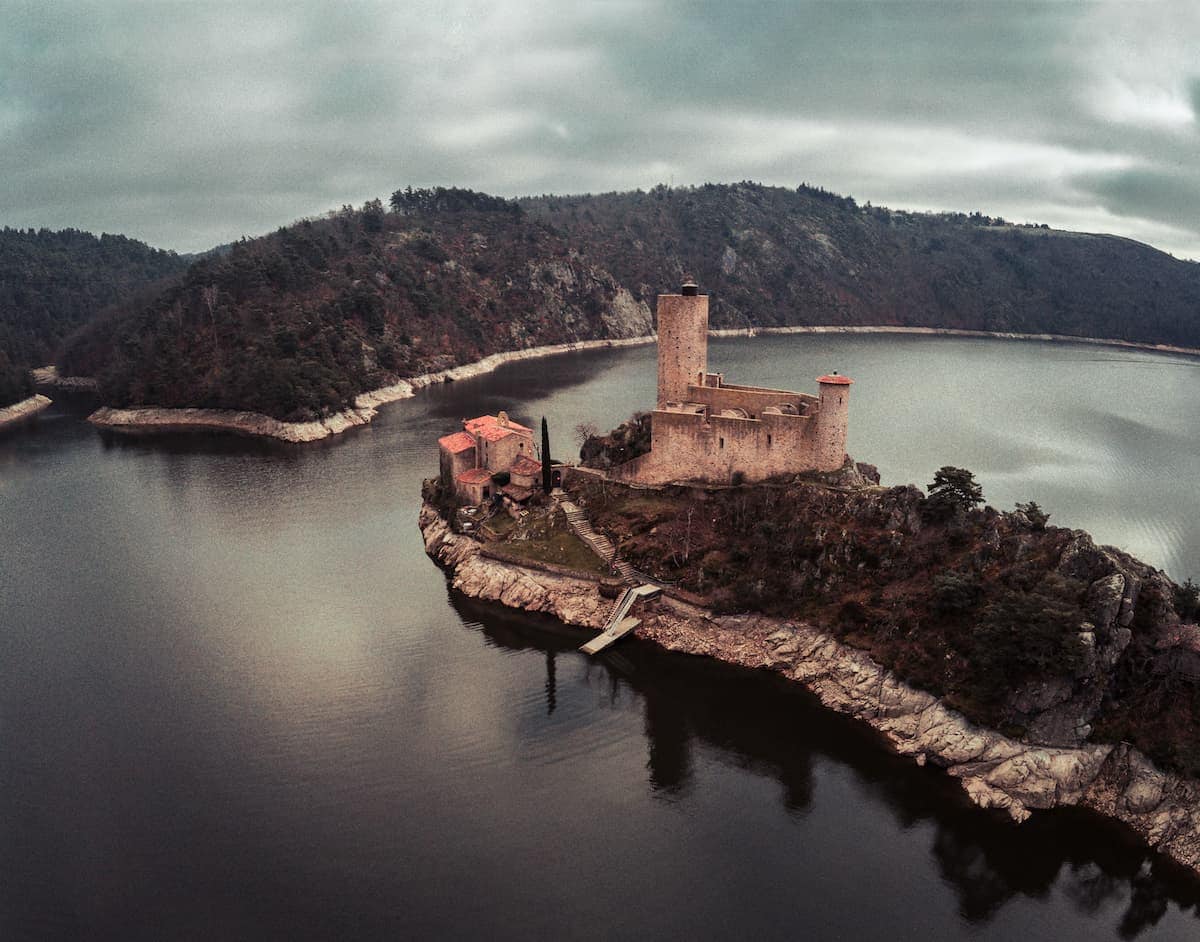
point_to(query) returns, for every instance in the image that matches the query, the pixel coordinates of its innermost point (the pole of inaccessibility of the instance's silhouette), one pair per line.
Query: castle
(704, 429)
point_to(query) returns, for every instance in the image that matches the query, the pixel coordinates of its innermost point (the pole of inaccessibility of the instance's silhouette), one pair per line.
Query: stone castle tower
(833, 419)
(705, 429)
(682, 343)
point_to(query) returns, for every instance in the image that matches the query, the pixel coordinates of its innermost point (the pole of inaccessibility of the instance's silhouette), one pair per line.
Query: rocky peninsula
(1042, 749)
(23, 411)
(150, 420)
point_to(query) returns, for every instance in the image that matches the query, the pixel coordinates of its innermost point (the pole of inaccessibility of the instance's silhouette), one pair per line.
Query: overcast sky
(191, 124)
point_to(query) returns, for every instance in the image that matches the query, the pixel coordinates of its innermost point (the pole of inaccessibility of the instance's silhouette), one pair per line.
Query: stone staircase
(600, 545)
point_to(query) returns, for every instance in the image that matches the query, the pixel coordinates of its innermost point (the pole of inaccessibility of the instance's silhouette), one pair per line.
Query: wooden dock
(610, 636)
(619, 625)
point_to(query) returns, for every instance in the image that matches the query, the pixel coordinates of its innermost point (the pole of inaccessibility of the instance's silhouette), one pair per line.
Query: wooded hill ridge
(53, 282)
(296, 323)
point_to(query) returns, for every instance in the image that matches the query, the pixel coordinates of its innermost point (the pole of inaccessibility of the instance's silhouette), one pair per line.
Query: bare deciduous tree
(584, 431)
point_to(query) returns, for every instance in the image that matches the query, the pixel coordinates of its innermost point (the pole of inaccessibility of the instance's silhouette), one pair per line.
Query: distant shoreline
(956, 332)
(21, 411)
(48, 376)
(148, 420)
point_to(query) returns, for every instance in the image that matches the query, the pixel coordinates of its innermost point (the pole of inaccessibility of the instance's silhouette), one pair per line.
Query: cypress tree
(547, 482)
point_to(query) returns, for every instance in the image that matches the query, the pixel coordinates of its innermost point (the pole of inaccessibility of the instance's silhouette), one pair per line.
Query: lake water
(238, 702)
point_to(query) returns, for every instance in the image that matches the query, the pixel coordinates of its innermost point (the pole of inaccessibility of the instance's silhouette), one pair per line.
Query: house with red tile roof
(491, 455)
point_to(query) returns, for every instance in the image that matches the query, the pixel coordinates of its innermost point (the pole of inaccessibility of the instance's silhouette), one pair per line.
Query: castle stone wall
(745, 397)
(685, 447)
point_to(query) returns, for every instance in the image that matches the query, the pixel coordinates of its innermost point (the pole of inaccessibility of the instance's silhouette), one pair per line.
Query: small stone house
(487, 446)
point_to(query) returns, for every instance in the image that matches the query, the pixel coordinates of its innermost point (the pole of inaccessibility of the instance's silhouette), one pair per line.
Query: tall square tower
(682, 342)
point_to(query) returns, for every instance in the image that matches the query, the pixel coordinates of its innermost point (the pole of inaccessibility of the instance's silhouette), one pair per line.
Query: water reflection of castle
(692, 707)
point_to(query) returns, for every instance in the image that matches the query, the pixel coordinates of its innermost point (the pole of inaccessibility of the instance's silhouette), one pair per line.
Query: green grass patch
(562, 548)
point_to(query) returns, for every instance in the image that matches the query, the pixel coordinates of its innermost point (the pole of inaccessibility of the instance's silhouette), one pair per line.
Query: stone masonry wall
(455, 463)
(682, 344)
(500, 455)
(831, 424)
(685, 447)
(748, 398)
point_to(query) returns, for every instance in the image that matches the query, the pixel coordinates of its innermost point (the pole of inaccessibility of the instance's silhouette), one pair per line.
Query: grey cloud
(923, 61)
(193, 124)
(1172, 197)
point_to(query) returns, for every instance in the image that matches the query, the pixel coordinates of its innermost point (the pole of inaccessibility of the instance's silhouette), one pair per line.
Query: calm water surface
(238, 702)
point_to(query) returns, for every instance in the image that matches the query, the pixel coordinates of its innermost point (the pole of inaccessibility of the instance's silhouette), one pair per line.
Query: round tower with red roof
(833, 417)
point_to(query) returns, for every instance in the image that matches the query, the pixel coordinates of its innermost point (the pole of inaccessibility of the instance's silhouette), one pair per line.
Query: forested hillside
(294, 324)
(52, 282)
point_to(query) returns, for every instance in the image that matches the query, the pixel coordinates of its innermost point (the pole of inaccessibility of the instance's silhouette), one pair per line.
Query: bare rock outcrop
(48, 377)
(995, 771)
(135, 421)
(570, 600)
(22, 411)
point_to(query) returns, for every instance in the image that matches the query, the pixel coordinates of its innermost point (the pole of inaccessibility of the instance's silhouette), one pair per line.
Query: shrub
(1034, 514)
(1187, 600)
(956, 593)
(1024, 636)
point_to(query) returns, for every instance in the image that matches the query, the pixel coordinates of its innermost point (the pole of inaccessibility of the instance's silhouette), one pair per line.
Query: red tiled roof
(459, 441)
(475, 476)
(526, 466)
(835, 380)
(493, 433)
(516, 492)
(473, 425)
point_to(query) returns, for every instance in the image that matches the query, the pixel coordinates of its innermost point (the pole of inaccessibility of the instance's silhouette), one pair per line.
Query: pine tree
(953, 491)
(547, 480)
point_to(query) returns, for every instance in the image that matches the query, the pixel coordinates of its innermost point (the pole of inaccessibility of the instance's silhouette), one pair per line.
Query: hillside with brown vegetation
(1024, 627)
(294, 324)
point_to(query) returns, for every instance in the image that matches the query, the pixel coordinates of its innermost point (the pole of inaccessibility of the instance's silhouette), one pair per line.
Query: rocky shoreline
(995, 771)
(47, 377)
(22, 411)
(151, 419)
(154, 421)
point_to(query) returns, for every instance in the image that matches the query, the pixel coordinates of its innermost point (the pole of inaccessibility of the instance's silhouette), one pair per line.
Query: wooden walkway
(611, 636)
(619, 625)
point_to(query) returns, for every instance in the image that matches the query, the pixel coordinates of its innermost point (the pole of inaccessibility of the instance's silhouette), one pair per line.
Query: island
(1038, 669)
